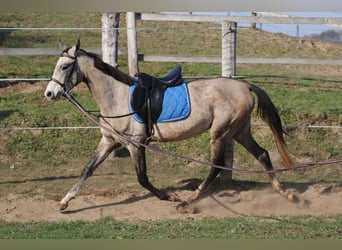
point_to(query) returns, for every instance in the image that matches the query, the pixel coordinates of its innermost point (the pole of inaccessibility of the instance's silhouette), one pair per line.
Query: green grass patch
(297, 227)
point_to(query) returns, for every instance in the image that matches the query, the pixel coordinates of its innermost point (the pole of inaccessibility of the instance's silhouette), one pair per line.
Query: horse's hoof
(186, 208)
(63, 206)
(174, 197)
(293, 197)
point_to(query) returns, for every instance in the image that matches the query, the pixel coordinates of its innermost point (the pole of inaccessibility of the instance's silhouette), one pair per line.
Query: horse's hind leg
(244, 137)
(105, 147)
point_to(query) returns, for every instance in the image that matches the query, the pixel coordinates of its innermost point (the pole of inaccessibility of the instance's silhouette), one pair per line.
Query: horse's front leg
(104, 148)
(139, 159)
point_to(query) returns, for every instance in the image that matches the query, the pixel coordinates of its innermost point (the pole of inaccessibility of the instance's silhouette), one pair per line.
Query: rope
(182, 157)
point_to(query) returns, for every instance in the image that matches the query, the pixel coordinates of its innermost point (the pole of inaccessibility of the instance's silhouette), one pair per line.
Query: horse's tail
(268, 112)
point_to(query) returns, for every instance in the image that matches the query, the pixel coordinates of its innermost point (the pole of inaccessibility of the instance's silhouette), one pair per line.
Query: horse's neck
(108, 93)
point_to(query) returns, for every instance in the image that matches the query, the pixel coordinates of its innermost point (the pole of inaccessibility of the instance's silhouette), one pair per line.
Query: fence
(228, 58)
(229, 29)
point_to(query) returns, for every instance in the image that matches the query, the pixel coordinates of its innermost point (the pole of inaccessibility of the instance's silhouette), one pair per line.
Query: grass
(303, 94)
(47, 38)
(296, 227)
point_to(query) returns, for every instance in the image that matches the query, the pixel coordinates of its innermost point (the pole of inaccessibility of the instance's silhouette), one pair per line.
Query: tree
(110, 36)
(329, 35)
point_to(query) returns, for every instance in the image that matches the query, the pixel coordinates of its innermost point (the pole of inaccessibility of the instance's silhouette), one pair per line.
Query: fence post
(228, 48)
(110, 35)
(132, 44)
(253, 25)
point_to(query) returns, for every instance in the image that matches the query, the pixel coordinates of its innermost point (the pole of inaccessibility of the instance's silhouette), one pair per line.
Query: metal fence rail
(96, 127)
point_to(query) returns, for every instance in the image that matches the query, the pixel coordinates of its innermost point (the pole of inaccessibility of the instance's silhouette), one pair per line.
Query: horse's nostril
(48, 94)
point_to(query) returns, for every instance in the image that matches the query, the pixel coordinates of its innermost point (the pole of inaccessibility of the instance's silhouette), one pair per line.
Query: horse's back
(223, 93)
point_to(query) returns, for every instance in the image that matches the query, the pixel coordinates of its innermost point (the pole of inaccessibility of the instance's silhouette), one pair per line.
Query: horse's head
(67, 73)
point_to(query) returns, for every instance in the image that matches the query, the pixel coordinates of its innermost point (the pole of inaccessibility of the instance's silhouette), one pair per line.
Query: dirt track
(316, 199)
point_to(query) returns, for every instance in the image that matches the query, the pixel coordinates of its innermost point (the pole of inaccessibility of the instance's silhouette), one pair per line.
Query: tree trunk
(132, 44)
(110, 35)
(228, 48)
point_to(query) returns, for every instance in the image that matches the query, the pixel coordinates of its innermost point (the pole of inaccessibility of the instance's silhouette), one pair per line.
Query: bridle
(67, 85)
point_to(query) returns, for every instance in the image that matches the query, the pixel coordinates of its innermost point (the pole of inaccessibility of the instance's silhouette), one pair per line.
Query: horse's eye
(65, 66)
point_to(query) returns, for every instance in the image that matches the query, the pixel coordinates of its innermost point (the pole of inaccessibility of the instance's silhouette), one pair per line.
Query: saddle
(147, 97)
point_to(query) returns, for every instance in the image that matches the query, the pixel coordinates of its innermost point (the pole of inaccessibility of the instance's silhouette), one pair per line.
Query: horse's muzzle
(53, 91)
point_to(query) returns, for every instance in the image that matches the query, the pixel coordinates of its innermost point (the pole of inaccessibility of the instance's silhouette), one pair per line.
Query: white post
(228, 48)
(110, 35)
(132, 44)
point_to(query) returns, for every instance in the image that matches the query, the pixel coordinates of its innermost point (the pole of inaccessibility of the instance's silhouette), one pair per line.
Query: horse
(220, 105)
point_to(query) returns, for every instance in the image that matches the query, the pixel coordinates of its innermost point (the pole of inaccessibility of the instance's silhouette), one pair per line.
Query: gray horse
(221, 105)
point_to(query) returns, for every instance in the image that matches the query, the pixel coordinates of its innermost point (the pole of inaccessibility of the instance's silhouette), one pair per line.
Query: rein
(67, 86)
(116, 116)
(182, 157)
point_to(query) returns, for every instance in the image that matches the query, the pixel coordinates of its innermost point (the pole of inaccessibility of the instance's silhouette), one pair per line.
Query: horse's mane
(108, 69)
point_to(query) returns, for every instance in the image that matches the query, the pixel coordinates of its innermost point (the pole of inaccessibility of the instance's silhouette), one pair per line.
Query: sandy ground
(315, 199)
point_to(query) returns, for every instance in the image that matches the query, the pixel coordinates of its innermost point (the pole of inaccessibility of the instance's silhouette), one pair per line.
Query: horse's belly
(180, 130)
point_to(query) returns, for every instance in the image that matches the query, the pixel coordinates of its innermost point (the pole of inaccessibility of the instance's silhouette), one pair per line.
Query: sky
(301, 30)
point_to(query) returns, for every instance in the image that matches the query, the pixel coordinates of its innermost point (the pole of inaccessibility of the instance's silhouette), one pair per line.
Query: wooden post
(228, 48)
(253, 25)
(132, 44)
(110, 35)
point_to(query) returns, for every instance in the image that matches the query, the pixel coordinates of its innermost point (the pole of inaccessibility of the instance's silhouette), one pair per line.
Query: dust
(315, 199)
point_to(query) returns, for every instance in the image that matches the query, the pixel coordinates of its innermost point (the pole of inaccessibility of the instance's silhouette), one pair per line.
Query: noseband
(67, 85)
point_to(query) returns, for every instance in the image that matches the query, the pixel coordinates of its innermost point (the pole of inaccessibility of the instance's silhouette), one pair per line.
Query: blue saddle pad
(176, 104)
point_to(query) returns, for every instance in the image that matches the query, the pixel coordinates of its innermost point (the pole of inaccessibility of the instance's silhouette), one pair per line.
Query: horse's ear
(73, 50)
(62, 46)
(78, 44)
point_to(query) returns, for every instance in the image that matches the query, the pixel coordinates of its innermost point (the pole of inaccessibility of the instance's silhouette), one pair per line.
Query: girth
(147, 97)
